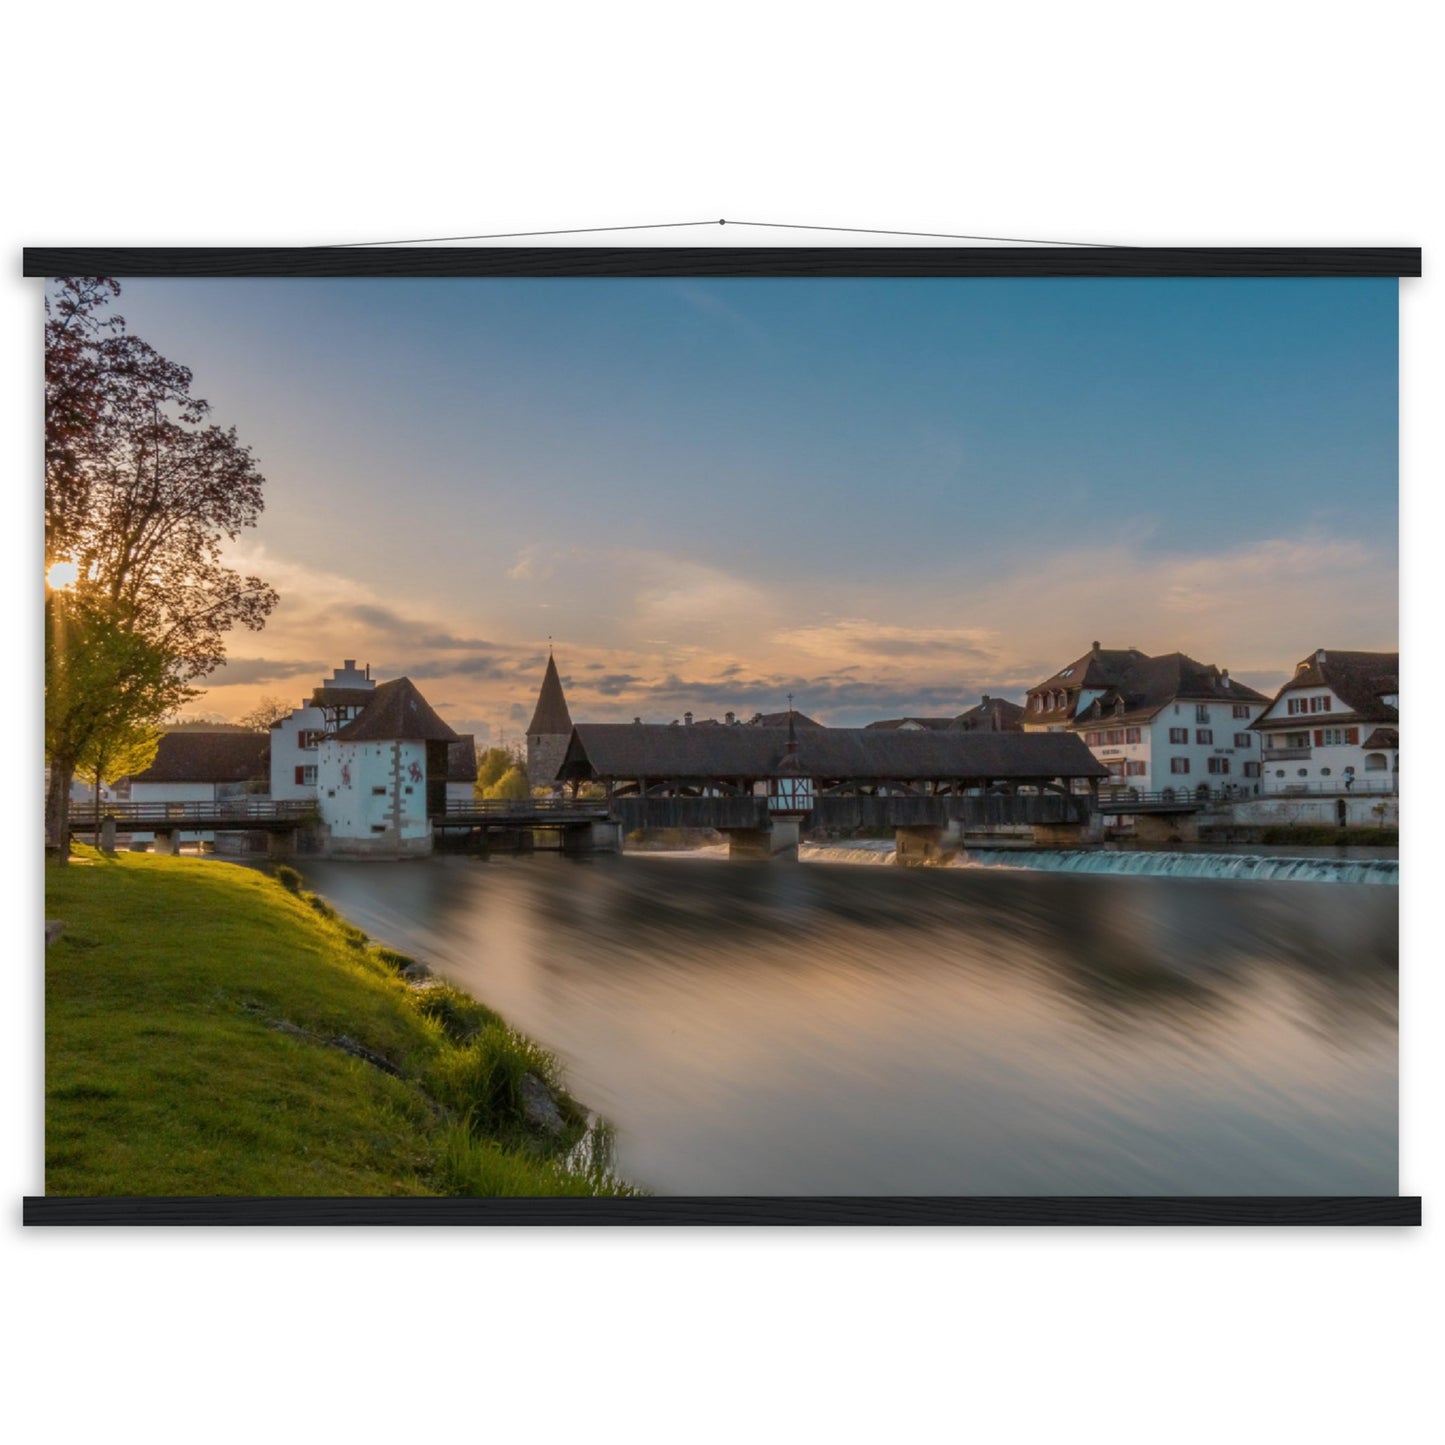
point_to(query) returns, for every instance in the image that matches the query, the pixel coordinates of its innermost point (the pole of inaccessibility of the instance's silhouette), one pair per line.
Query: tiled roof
(462, 760)
(631, 750)
(1142, 684)
(1359, 679)
(397, 712)
(202, 757)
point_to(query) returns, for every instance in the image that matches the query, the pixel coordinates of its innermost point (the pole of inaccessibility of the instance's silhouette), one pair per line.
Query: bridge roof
(632, 750)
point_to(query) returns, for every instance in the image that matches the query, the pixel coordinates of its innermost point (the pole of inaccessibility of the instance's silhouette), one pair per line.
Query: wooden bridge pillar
(765, 844)
(1059, 835)
(165, 842)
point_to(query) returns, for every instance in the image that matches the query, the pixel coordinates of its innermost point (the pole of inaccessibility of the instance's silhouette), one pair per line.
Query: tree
(105, 686)
(490, 767)
(511, 785)
(141, 494)
(266, 712)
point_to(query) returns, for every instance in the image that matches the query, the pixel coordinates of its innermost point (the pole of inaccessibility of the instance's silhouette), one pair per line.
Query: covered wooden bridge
(763, 785)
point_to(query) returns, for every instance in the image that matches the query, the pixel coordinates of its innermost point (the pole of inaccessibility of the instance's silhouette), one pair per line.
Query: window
(1201, 713)
(1251, 770)
(1134, 769)
(1375, 763)
(1309, 704)
(1241, 740)
(1204, 736)
(1336, 737)
(1178, 735)
(378, 827)
(1303, 773)
(1219, 765)
(307, 738)
(1324, 772)
(1133, 735)
(1279, 772)
(1241, 710)
(306, 776)
(378, 792)
(1178, 765)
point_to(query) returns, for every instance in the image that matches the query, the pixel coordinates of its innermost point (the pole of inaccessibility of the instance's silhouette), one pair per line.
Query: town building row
(379, 762)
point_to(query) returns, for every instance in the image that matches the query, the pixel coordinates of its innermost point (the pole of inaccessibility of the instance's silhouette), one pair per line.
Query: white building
(1333, 732)
(295, 739)
(1155, 722)
(193, 766)
(381, 776)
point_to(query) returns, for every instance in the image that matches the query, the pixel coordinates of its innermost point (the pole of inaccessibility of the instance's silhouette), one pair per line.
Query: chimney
(985, 699)
(638, 721)
(1094, 646)
(349, 665)
(730, 718)
(687, 718)
(1224, 676)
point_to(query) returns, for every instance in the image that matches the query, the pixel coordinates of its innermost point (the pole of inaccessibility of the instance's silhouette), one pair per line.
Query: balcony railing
(1284, 755)
(1381, 785)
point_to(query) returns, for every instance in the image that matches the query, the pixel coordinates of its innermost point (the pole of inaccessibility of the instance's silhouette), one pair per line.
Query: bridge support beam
(925, 843)
(1166, 828)
(107, 835)
(1058, 835)
(765, 844)
(164, 843)
(583, 838)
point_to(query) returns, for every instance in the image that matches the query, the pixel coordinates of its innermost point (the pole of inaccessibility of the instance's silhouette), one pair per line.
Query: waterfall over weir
(1143, 865)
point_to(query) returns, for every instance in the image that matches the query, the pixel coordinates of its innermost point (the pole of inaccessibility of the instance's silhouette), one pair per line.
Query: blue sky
(884, 496)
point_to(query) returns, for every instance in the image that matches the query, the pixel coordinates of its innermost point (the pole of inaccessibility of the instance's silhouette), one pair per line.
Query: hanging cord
(769, 225)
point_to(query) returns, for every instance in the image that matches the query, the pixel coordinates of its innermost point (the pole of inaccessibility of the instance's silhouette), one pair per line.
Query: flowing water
(824, 1028)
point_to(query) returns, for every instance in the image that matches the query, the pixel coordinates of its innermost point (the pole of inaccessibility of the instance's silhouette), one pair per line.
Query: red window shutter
(1319, 737)
(301, 775)
(1353, 735)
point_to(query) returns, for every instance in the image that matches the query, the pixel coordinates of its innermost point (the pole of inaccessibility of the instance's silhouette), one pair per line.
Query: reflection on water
(826, 1029)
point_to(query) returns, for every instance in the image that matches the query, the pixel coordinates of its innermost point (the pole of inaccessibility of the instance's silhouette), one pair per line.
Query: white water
(1142, 865)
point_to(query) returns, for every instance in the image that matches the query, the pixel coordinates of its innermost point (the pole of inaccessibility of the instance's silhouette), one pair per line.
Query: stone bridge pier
(925, 843)
(580, 839)
(1166, 827)
(780, 841)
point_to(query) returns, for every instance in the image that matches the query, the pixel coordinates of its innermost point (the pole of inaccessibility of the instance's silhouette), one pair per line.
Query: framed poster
(636, 736)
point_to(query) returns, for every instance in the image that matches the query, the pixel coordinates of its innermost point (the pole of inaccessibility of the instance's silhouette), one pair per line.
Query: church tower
(549, 731)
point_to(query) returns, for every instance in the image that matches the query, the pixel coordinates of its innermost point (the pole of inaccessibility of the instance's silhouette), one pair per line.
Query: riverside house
(1332, 734)
(1155, 722)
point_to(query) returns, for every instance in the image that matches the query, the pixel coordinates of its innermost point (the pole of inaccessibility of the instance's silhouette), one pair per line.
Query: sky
(884, 497)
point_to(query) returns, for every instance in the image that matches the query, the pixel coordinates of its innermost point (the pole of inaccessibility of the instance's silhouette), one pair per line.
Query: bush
(288, 878)
(462, 1018)
(481, 1082)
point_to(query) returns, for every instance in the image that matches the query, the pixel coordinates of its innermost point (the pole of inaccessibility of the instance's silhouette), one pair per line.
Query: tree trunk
(57, 810)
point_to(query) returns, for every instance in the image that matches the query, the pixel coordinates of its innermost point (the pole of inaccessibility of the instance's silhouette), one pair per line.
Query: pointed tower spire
(551, 715)
(550, 729)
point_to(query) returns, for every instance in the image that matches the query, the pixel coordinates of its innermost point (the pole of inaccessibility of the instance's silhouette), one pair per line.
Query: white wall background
(1283, 124)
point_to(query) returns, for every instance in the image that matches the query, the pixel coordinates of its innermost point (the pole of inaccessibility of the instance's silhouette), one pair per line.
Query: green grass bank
(212, 1030)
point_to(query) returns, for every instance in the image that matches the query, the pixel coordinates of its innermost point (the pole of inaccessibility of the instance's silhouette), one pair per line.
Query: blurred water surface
(822, 1028)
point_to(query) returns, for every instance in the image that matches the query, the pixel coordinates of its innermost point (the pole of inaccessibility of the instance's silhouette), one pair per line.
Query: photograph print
(721, 737)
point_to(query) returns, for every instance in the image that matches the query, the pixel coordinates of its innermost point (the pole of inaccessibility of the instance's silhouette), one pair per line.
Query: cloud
(242, 671)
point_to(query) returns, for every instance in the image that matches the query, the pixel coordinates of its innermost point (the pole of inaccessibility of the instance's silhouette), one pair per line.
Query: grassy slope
(173, 1065)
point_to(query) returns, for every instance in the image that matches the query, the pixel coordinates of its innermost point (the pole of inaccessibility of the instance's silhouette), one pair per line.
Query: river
(829, 1028)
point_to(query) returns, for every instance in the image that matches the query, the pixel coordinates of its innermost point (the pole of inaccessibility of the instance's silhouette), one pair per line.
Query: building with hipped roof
(1155, 722)
(1334, 728)
(382, 775)
(990, 715)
